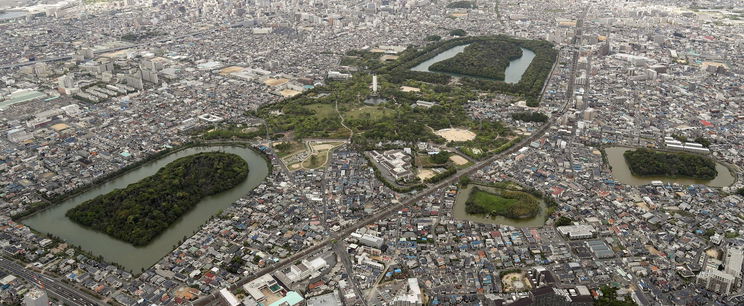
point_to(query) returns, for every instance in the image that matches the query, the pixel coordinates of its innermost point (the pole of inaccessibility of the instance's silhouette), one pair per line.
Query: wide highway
(54, 287)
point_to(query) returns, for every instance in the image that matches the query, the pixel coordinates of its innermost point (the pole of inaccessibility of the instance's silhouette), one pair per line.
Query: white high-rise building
(722, 281)
(67, 81)
(589, 114)
(732, 263)
(374, 84)
(36, 297)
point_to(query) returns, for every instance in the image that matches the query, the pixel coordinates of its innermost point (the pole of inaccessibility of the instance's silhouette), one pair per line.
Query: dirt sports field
(458, 160)
(456, 134)
(424, 174)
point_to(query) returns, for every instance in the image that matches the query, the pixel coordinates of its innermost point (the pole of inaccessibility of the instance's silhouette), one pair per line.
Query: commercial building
(732, 262)
(715, 280)
(228, 297)
(36, 297)
(306, 268)
(396, 162)
(412, 296)
(693, 147)
(256, 287)
(600, 249)
(578, 231)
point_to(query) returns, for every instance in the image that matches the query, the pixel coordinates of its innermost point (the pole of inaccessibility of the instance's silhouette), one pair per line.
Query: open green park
(501, 202)
(338, 110)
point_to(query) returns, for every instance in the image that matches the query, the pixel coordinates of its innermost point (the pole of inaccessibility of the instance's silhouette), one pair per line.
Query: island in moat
(506, 203)
(486, 59)
(646, 162)
(141, 211)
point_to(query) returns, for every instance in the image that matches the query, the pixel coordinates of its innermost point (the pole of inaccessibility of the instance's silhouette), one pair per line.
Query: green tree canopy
(143, 210)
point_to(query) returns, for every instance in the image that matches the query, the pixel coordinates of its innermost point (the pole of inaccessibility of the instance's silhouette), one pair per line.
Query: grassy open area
(308, 155)
(288, 148)
(507, 203)
(312, 114)
(322, 110)
(316, 160)
(370, 112)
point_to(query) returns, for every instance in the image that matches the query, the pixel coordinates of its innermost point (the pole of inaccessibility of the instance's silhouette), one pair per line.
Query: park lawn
(424, 160)
(319, 161)
(493, 203)
(339, 133)
(294, 147)
(323, 110)
(374, 112)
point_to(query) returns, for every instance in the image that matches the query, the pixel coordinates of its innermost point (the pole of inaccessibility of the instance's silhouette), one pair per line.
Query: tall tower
(374, 84)
(733, 260)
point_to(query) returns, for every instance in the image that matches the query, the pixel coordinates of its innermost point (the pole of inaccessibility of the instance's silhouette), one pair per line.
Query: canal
(133, 258)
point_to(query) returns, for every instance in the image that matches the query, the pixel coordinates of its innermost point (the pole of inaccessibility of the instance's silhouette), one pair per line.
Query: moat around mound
(646, 162)
(134, 258)
(143, 210)
(486, 204)
(621, 172)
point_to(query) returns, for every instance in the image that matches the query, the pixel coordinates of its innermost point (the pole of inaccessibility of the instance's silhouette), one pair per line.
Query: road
(343, 255)
(392, 209)
(55, 287)
(63, 291)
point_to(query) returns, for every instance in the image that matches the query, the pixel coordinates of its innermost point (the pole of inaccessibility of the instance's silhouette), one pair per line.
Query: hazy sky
(11, 3)
(16, 3)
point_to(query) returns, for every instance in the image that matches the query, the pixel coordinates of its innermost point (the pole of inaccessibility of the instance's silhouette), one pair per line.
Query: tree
(282, 146)
(486, 58)
(530, 116)
(645, 162)
(143, 210)
(609, 298)
(681, 138)
(458, 32)
(440, 158)
(563, 221)
(462, 4)
(703, 141)
(433, 38)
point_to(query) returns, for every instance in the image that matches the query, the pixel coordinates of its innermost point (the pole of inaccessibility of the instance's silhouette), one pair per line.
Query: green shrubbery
(487, 59)
(645, 162)
(462, 4)
(433, 38)
(530, 117)
(458, 32)
(440, 158)
(507, 203)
